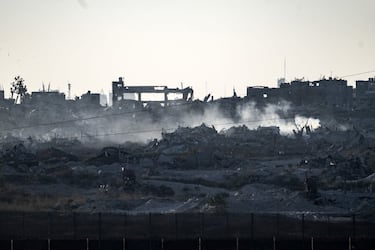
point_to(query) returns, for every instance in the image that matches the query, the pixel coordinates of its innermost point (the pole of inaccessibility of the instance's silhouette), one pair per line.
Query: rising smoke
(145, 125)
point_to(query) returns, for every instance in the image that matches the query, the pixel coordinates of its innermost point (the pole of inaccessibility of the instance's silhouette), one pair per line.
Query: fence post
(74, 226)
(176, 225)
(100, 229)
(227, 224)
(149, 226)
(252, 226)
(277, 224)
(303, 231)
(125, 225)
(353, 230)
(23, 225)
(49, 225)
(202, 224)
(149, 231)
(49, 231)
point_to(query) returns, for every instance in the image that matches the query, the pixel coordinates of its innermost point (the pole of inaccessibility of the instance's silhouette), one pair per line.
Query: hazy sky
(207, 44)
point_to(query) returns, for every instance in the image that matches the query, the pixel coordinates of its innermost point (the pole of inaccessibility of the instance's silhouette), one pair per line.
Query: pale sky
(207, 44)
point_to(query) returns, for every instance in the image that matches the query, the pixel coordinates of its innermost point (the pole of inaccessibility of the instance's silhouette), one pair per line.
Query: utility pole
(69, 89)
(284, 68)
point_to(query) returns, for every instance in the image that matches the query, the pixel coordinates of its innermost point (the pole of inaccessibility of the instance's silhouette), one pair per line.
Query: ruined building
(329, 92)
(133, 95)
(46, 97)
(5, 102)
(365, 93)
(90, 99)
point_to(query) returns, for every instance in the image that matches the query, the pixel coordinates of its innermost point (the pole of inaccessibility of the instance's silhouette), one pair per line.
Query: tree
(19, 89)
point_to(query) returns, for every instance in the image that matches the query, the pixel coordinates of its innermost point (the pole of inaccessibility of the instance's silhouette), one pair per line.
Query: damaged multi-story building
(365, 93)
(54, 97)
(142, 96)
(46, 97)
(331, 92)
(3, 101)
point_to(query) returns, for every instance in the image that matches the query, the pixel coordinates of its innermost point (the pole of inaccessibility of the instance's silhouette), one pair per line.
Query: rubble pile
(17, 154)
(194, 169)
(188, 147)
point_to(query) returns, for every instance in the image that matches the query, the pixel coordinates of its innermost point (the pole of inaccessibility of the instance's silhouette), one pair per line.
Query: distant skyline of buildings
(326, 91)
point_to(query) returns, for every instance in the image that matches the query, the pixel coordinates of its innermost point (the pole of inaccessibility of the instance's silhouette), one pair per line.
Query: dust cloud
(118, 126)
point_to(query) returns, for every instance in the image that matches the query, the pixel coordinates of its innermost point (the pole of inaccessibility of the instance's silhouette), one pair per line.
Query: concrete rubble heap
(194, 169)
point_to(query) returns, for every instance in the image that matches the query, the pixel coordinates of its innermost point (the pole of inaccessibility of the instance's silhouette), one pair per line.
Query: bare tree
(18, 88)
